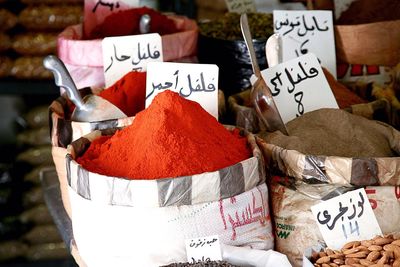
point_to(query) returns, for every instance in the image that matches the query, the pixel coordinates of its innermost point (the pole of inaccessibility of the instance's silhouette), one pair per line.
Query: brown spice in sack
(335, 132)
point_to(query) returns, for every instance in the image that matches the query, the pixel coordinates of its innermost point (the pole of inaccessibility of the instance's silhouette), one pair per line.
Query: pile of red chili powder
(173, 137)
(126, 22)
(128, 93)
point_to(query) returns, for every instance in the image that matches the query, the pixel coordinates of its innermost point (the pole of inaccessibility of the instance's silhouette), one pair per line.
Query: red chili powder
(173, 137)
(128, 93)
(126, 22)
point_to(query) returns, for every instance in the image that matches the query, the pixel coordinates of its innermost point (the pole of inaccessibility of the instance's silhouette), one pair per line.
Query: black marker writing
(103, 3)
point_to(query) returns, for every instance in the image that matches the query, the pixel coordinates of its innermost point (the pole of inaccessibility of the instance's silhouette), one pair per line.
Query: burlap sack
(296, 229)
(127, 215)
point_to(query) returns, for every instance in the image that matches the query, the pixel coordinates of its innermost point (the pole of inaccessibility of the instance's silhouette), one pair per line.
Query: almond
(396, 242)
(351, 244)
(361, 254)
(351, 261)
(382, 241)
(396, 263)
(373, 255)
(366, 262)
(338, 261)
(350, 251)
(324, 259)
(375, 248)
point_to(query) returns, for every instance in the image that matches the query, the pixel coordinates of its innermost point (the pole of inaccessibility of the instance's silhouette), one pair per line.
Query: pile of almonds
(381, 251)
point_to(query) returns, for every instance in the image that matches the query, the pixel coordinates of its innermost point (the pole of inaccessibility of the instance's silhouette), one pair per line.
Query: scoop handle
(63, 79)
(244, 25)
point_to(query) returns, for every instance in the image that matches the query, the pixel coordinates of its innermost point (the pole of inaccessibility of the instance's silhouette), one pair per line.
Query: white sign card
(346, 218)
(95, 11)
(241, 6)
(307, 31)
(196, 82)
(129, 53)
(298, 86)
(203, 249)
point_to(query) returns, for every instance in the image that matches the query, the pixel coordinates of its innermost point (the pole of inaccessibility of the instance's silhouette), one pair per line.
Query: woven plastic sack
(312, 177)
(145, 222)
(357, 170)
(296, 229)
(84, 58)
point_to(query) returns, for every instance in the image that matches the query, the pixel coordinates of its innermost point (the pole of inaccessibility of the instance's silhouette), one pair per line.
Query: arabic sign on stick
(97, 10)
(307, 31)
(241, 6)
(129, 53)
(298, 86)
(203, 249)
(197, 82)
(346, 218)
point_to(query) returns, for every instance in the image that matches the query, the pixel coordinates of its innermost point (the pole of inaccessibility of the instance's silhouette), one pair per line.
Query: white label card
(197, 82)
(307, 31)
(298, 86)
(203, 249)
(129, 53)
(346, 218)
(241, 6)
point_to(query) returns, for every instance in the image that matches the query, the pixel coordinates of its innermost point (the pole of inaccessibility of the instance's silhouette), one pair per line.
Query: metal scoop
(144, 24)
(91, 107)
(273, 50)
(260, 93)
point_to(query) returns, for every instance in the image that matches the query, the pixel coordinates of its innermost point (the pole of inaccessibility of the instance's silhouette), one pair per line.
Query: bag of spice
(83, 57)
(328, 148)
(174, 173)
(128, 94)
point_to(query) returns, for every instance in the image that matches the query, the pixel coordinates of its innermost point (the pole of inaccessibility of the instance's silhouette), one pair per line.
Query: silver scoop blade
(144, 24)
(260, 93)
(92, 107)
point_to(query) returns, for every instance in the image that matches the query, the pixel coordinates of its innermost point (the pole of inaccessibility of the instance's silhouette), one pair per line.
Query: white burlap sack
(121, 222)
(296, 229)
(116, 235)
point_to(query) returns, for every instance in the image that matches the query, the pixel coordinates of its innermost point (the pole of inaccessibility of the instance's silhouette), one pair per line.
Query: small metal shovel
(260, 93)
(91, 107)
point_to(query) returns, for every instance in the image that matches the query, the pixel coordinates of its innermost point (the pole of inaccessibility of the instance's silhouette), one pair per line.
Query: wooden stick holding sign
(197, 82)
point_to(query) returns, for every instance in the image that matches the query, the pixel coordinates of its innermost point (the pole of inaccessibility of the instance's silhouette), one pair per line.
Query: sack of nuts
(379, 251)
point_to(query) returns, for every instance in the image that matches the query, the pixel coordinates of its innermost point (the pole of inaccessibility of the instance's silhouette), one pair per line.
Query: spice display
(317, 133)
(7, 20)
(128, 93)
(379, 251)
(126, 22)
(50, 17)
(172, 137)
(228, 28)
(35, 43)
(30, 68)
(5, 42)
